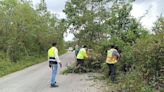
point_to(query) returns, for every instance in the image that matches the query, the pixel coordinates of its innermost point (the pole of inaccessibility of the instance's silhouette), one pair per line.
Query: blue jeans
(54, 68)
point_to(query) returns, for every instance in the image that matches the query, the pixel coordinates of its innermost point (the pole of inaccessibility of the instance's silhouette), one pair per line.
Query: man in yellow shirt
(82, 54)
(111, 60)
(54, 60)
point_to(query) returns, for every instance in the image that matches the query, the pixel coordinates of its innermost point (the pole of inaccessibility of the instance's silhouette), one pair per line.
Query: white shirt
(56, 55)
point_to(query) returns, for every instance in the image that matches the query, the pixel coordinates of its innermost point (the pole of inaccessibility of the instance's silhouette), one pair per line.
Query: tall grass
(7, 66)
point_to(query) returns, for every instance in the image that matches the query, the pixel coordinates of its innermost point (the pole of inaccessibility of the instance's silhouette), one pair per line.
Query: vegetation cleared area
(26, 33)
(101, 23)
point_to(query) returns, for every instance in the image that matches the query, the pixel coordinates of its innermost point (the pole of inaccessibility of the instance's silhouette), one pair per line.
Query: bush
(150, 59)
(133, 82)
(7, 67)
(89, 66)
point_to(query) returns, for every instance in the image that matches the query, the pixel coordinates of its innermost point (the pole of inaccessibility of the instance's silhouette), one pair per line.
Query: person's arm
(85, 54)
(57, 57)
(115, 53)
(49, 62)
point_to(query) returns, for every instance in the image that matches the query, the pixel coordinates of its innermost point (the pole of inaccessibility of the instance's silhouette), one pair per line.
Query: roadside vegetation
(26, 33)
(100, 23)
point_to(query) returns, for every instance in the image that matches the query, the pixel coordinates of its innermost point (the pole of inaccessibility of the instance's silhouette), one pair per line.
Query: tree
(26, 31)
(159, 25)
(94, 22)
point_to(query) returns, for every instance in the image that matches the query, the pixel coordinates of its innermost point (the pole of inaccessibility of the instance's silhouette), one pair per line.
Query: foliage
(90, 65)
(133, 82)
(149, 56)
(70, 44)
(94, 22)
(26, 31)
(97, 25)
(159, 25)
(7, 67)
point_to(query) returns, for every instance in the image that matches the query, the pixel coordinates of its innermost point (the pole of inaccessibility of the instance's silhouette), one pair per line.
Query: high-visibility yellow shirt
(111, 59)
(82, 54)
(51, 52)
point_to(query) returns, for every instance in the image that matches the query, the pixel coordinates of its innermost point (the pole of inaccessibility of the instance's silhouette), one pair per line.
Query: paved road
(36, 79)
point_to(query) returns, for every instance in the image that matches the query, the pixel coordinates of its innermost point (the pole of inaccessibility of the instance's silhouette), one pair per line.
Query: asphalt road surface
(36, 79)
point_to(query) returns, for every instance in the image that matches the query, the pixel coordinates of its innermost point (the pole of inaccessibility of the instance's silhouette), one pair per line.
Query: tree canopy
(28, 31)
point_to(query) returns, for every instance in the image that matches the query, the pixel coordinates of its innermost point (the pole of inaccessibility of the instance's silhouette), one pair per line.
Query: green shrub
(133, 82)
(7, 67)
(149, 57)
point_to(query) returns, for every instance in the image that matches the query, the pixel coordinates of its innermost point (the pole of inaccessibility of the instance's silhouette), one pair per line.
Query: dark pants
(112, 71)
(80, 62)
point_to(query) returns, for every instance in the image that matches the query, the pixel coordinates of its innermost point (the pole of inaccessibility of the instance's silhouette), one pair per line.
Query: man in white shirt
(54, 60)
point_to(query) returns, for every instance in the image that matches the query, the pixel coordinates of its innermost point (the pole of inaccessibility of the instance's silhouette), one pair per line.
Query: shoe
(53, 85)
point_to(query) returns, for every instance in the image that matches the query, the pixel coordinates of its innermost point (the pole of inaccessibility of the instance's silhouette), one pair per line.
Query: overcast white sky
(155, 7)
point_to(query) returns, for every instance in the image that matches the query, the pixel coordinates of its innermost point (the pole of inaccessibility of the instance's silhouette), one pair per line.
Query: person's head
(84, 46)
(112, 46)
(54, 44)
(116, 47)
(77, 46)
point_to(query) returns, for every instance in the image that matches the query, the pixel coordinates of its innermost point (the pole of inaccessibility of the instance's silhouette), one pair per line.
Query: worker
(77, 49)
(82, 54)
(111, 60)
(54, 61)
